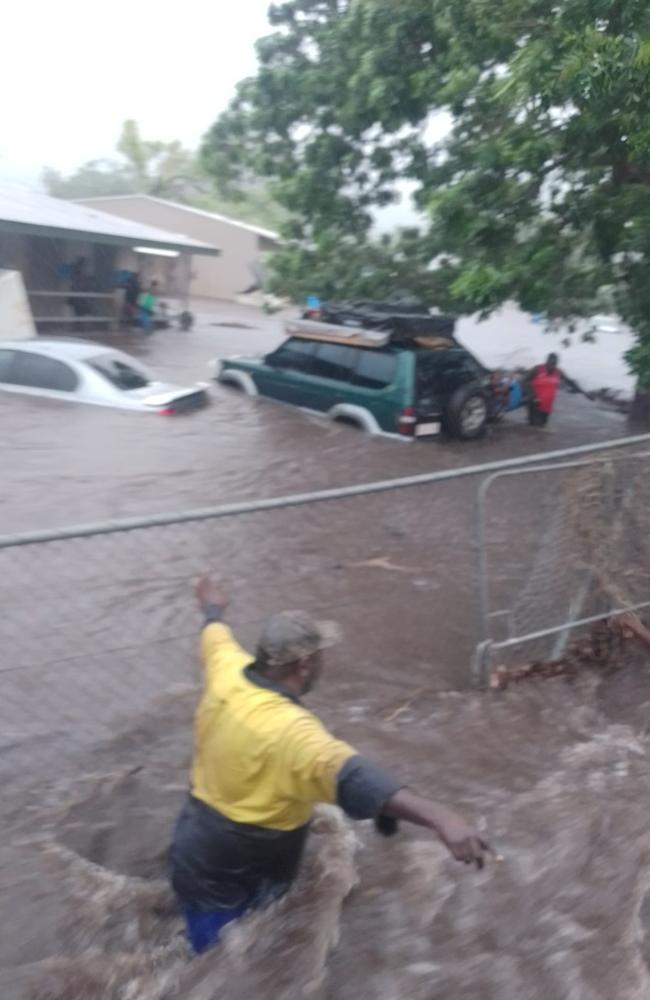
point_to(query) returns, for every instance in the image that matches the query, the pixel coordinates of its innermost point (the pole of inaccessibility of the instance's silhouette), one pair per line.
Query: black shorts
(537, 417)
(217, 864)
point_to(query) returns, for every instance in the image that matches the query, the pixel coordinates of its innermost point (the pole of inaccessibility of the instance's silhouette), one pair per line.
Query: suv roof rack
(375, 324)
(355, 336)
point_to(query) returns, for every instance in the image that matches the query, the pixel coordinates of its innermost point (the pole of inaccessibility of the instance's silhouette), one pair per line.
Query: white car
(83, 372)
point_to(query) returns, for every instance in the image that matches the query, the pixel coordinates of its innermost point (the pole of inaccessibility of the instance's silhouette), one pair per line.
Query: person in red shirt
(542, 384)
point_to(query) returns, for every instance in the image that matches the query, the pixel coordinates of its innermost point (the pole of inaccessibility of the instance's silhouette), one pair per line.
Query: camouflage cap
(292, 635)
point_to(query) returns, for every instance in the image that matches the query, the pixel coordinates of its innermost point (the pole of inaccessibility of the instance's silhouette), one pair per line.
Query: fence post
(480, 541)
(480, 663)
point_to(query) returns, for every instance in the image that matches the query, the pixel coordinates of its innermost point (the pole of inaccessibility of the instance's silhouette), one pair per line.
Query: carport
(48, 239)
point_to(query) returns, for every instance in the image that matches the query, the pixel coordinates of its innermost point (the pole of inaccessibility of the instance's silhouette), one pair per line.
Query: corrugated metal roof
(258, 230)
(22, 210)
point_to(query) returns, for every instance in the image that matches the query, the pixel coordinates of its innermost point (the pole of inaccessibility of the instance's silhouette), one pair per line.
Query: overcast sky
(71, 71)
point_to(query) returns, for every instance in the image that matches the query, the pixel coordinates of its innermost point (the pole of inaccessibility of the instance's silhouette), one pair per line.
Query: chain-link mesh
(564, 544)
(99, 671)
(95, 628)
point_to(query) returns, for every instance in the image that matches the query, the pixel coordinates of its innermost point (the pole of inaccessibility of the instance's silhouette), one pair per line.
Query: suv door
(382, 383)
(358, 376)
(446, 379)
(282, 375)
(441, 372)
(329, 379)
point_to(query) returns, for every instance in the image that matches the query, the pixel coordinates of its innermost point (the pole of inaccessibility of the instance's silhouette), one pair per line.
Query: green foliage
(338, 265)
(540, 191)
(93, 179)
(164, 170)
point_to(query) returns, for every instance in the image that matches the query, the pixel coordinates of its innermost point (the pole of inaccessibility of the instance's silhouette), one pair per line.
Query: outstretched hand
(210, 594)
(461, 838)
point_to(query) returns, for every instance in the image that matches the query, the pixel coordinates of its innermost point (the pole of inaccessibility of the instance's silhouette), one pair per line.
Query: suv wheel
(468, 413)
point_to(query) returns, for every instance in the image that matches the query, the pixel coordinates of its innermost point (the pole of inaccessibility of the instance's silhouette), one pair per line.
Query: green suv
(410, 386)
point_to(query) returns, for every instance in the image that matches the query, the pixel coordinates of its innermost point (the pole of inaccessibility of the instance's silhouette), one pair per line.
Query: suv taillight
(406, 421)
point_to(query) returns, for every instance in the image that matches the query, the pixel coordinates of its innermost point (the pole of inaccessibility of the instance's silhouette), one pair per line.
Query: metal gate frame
(486, 645)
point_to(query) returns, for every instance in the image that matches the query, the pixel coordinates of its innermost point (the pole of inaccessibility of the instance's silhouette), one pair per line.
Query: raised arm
(213, 601)
(220, 651)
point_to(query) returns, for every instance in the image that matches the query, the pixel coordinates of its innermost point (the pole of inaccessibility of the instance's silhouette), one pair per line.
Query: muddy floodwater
(99, 679)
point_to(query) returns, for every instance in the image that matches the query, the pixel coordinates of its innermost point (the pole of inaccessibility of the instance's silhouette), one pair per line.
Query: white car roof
(61, 348)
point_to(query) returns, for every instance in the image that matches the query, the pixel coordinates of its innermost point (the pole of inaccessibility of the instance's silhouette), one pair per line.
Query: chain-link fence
(98, 622)
(560, 546)
(99, 672)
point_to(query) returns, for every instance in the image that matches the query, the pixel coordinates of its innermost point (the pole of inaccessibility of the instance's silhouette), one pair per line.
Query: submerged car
(84, 372)
(397, 374)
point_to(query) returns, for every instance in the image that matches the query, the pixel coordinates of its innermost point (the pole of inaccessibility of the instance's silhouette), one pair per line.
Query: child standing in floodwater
(147, 306)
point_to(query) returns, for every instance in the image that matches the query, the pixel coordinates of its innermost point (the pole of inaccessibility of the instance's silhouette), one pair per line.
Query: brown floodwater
(99, 671)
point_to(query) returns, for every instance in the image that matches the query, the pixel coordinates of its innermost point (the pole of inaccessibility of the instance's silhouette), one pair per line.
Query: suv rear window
(375, 369)
(453, 362)
(119, 373)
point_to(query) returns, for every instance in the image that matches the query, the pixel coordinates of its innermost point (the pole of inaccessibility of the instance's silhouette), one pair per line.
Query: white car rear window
(119, 373)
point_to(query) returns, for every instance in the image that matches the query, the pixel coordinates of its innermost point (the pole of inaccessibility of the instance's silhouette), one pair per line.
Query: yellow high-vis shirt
(259, 758)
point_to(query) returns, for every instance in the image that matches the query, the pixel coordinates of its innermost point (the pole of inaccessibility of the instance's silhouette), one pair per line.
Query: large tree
(145, 166)
(539, 191)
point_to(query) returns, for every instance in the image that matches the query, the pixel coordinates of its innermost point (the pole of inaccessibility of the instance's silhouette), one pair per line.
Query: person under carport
(147, 306)
(261, 763)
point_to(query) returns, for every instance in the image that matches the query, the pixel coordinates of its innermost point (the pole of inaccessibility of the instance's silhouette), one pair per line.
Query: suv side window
(40, 372)
(295, 355)
(335, 361)
(375, 369)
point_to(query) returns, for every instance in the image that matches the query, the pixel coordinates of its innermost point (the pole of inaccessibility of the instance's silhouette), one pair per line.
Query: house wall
(222, 277)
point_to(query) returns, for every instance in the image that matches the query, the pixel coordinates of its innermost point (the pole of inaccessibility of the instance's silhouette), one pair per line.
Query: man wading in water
(261, 763)
(542, 384)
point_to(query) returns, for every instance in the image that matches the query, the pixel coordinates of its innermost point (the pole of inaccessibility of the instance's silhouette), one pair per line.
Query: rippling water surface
(99, 683)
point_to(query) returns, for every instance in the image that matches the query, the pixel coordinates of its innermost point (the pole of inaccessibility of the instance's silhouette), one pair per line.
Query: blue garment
(203, 929)
(145, 319)
(515, 396)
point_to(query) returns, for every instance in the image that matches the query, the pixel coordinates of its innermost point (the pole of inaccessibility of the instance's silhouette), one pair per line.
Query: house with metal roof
(240, 267)
(47, 240)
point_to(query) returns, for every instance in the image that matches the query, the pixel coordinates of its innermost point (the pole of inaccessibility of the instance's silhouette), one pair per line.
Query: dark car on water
(385, 371)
